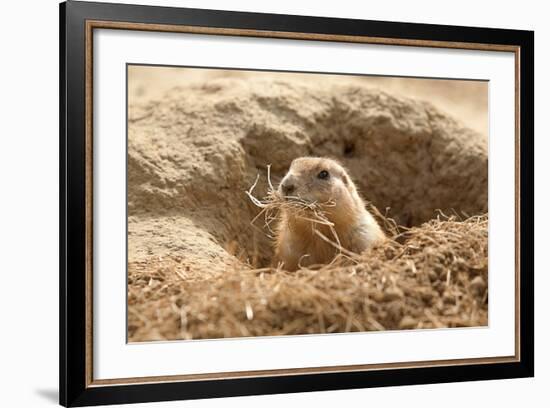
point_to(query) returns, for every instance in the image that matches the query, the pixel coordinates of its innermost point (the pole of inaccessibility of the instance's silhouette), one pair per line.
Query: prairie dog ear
(346, 179)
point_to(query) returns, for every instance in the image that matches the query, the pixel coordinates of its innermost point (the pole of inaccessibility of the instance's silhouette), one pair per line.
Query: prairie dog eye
(323, 175)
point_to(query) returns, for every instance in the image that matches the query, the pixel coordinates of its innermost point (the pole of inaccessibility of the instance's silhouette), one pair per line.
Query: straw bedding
(436, 278)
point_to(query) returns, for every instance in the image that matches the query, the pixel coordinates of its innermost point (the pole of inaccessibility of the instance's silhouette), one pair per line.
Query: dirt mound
(192, 155)
(192, 251)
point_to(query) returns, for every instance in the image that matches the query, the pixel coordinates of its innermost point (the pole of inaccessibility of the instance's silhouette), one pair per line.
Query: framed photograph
(256, 203)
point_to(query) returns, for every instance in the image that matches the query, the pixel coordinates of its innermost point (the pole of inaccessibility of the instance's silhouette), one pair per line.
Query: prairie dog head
(303, 236)
(317, 180)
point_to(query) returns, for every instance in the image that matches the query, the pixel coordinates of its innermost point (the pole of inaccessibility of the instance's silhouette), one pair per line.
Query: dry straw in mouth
(274, 203)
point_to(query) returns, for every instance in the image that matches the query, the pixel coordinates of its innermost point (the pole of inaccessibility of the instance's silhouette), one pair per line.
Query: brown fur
(354, 228)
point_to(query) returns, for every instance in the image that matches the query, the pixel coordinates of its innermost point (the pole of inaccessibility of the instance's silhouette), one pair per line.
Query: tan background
(465, 100)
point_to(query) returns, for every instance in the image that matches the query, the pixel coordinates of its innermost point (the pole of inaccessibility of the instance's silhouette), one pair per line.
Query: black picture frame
(75, 387)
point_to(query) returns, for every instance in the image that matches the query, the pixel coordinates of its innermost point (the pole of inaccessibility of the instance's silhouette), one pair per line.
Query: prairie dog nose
(287, 186)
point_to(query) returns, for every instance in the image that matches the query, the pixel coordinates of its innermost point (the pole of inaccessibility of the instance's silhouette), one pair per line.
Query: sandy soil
(466, 101)
(198, 139)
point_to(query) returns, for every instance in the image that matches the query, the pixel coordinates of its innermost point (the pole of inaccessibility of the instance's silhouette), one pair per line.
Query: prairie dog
(324, 182)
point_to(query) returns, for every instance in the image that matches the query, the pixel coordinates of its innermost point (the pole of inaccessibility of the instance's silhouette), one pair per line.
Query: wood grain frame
(78, 22)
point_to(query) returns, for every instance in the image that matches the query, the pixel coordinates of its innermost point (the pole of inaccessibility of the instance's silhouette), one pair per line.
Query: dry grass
(430, 276)
(314, 212)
